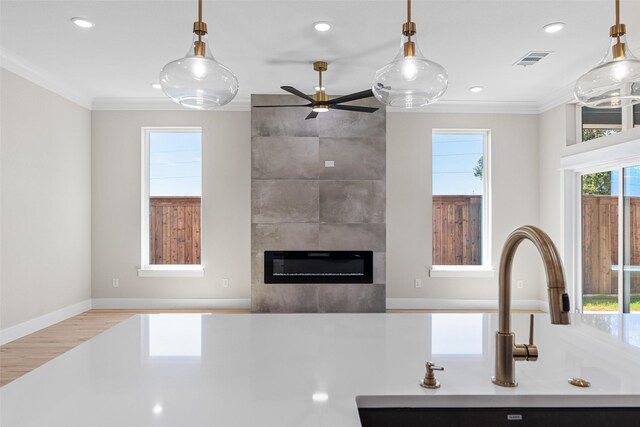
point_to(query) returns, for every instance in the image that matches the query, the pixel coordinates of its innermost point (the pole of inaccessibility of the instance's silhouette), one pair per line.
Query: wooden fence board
(457, 230)
(174, 232)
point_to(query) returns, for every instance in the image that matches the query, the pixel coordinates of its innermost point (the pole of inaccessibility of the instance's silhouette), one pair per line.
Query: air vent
(531, 58)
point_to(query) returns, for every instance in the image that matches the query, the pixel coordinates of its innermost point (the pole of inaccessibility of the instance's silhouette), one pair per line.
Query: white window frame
(609, 158)
(161, 270)
(486, 269)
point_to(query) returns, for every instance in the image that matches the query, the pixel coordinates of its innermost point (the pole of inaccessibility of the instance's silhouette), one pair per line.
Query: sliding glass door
(631, 226)
(610, 218)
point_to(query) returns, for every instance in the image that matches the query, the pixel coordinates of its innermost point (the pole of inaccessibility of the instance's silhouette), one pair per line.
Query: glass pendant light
(198, 80)
(615, 81)
(410, 80)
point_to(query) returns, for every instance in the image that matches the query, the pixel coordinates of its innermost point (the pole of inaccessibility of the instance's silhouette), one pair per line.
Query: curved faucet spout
(507, 351)
(558, 299)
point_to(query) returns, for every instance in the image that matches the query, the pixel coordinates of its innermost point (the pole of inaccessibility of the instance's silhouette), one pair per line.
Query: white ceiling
(272, 43)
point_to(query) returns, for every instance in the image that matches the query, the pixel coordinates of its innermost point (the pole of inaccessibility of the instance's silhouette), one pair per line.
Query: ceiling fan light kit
(199, 81)
(615, 81)
(410, 80)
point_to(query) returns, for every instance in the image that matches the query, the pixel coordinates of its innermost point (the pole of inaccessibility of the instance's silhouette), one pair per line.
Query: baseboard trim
(30, 326)
(460, 304)
(171, 303)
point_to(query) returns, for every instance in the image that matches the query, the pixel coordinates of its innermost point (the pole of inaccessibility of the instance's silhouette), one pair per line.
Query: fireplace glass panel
(318, 267)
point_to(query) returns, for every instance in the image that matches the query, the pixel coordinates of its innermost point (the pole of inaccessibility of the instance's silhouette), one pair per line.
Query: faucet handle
(531, 330)
(528, 352)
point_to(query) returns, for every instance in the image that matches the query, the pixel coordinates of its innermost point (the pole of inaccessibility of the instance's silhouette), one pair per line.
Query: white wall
(226, 205)
(514, 175)
(553, 141)
(46, 202)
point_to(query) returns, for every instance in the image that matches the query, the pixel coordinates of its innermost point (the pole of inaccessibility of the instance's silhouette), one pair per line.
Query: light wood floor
(25, 354)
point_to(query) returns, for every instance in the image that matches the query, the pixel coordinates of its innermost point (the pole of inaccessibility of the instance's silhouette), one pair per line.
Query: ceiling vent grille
(531, 58)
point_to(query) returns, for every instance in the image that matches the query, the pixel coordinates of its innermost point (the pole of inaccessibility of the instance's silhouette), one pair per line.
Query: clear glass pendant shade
(410, 81)
(613, 83)
(199, 82)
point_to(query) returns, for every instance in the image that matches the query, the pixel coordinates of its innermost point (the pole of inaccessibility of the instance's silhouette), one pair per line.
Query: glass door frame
(619, 152)
(624, 298)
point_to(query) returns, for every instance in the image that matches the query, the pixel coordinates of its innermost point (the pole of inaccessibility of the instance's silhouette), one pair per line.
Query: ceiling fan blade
(354, 108)
(278, 106)
(296, 92)
(354, 96)
(312, 115)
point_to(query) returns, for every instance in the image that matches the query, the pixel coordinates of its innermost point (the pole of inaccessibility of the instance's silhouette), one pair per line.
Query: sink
(495, 411)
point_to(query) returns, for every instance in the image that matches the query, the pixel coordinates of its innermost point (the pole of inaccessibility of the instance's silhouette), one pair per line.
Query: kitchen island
(295, 370)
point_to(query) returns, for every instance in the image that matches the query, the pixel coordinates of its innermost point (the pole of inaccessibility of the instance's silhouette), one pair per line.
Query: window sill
(171, 271)
(459, 271)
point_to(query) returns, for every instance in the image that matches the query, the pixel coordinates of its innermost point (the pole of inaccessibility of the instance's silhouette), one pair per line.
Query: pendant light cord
(618, 19)
(199, 18)
(409, 18)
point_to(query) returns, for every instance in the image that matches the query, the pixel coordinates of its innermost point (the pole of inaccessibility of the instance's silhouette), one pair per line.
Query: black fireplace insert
(318, 267)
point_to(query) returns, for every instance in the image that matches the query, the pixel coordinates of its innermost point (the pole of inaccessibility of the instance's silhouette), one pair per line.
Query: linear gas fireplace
(318, 267)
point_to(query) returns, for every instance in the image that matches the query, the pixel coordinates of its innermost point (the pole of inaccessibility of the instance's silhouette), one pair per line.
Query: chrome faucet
(507, 351)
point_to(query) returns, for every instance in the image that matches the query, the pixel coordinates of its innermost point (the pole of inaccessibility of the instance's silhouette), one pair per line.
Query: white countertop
(306, 370)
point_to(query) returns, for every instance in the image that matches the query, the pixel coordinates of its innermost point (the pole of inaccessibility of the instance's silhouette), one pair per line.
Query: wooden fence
(174, 230)
(600, 244)
(457, 230)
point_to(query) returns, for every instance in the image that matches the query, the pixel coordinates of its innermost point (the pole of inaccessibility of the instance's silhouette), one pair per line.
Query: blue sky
(453, 158)
(631, 182)
(175, 164)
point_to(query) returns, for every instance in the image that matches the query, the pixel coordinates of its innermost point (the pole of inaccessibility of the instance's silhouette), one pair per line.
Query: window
(171, 200)
(598, 122)
(460, 200)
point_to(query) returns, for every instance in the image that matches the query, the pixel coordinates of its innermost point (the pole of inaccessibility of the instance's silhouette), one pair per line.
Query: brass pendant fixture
(615, 81)
(198, 81)
(410, 80)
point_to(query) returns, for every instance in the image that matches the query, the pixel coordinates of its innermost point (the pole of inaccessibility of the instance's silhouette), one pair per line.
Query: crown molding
(16, 64)
(477, 107)
(244, 104)
(562, 96)
(160, 104)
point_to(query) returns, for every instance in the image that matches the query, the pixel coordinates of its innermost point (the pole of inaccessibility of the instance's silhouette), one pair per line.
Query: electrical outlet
(225, 283)
(115, 283)
(329, 164)
(520, 284)
(417, 283)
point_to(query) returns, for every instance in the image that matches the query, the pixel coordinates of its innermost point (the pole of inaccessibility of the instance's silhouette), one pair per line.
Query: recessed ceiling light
(156, 85)
(82, 22)
(320, 397)
(322, 26)
(476, 89)
(554, 27)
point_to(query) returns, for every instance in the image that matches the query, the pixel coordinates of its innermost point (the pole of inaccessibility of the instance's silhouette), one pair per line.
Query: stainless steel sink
(495, 411)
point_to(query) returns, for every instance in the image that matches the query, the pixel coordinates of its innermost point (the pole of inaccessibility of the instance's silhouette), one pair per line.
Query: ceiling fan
(320, 102)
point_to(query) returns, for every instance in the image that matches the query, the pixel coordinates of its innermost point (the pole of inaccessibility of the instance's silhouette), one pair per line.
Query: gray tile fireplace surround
(299, 204)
